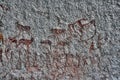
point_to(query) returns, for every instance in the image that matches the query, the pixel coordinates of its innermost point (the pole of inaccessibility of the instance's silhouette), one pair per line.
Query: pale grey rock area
(78, 59)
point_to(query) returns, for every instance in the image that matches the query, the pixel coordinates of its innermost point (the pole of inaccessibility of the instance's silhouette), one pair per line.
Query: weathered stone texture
(45, 40)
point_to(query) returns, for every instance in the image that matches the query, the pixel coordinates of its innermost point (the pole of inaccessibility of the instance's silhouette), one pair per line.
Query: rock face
(59, 40)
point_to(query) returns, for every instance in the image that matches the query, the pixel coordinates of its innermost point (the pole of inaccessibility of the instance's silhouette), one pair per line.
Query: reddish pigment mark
(4, 7)
(84, 58)
(57, 31)
(21, 28)
(99, 43)
(46, 42)
(12, 40)
(1, 54)
(7, 51)
(33, 68)
(62, 43)
(26, 42)
(93, 22)
(91, 47)
(1, 38)
(80, 23)
(71, 27)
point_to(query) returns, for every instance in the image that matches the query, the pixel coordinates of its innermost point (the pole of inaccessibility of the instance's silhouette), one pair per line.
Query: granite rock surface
(59, 40)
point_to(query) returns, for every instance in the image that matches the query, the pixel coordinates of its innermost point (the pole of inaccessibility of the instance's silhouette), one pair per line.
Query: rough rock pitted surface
(59, 40)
